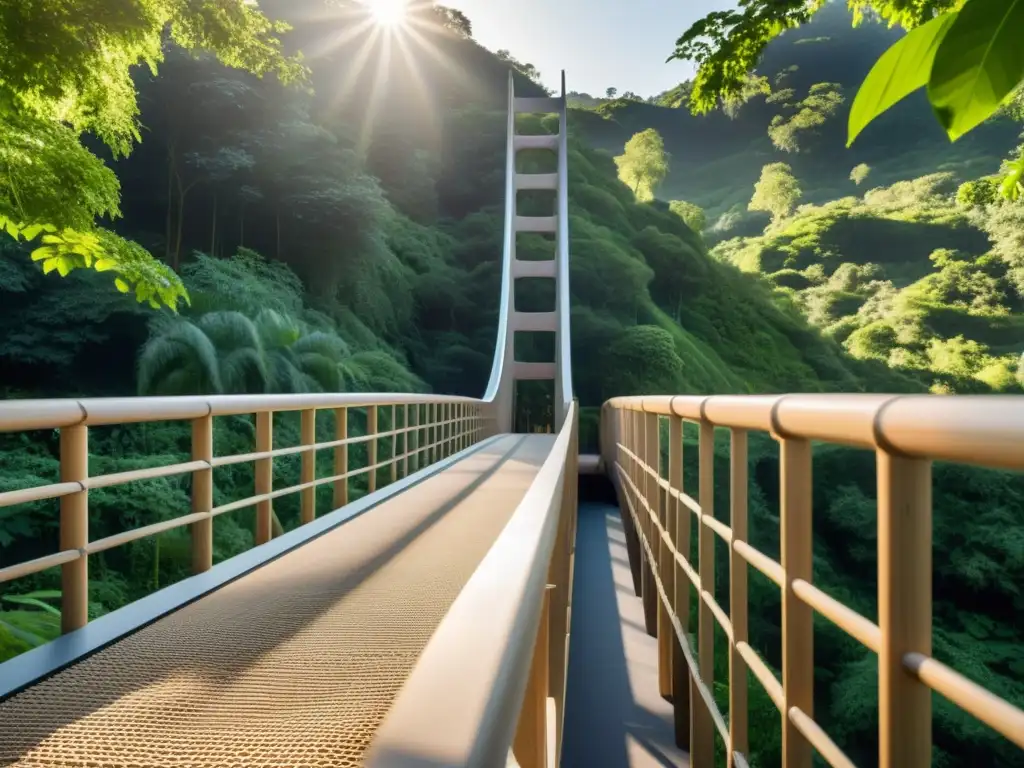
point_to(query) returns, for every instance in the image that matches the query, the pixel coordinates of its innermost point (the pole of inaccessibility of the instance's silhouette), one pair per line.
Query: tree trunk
(181, 225)
(182, 193)
(241, 228)
(278, 209)
(170, 205)
(213, 237)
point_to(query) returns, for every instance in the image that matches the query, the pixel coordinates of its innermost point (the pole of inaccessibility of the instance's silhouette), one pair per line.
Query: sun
(388, 13)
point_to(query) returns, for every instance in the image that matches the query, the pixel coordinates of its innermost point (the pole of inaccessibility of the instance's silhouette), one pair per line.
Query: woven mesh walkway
(295, 664)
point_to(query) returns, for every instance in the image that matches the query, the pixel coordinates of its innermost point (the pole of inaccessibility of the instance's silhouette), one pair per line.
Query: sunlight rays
(380, 47)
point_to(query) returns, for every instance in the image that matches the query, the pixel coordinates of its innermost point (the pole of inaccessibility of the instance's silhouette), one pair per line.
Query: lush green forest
(339, 229)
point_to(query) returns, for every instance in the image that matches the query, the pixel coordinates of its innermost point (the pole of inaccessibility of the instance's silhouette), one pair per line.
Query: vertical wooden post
(431, 431)
(530, 744)
(394, 443)
(405, 440)
(341, 457)
(74, 528)
(653, 607)
(307, 496)
(457, 428)
(646, 508)
(680, 586)
(371, 448)
(797, 616)
(558, 597)
(414, 437)
(202, 494)
(633, 547)
(702, 729)
(264, 476)
(904, 609)
(737, 598)
(446, 430)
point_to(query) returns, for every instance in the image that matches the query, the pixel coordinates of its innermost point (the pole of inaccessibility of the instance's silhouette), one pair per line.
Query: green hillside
(346, 236)
(716, 158)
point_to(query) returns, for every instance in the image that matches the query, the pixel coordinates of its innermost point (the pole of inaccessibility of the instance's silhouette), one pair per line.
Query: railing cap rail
(23, 415)
(973, 429)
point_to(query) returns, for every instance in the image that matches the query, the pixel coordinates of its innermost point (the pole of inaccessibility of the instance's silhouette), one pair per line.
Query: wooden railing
(424, 429)
(491, 682)
(906, 433)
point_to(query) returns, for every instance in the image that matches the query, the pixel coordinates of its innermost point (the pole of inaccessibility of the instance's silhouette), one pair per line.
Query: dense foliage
(66, 70)
(717, 156)
(964, 53)
(346, 238)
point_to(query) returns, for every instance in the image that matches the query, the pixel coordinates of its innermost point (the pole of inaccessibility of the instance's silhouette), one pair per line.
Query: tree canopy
(859, 173)
(776, 192)
(644, 164)
(66, 71)
(693, 215)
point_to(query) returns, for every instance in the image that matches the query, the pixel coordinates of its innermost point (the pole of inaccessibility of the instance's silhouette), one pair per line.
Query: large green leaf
(978, 64)
(28, 600)
(899, 71)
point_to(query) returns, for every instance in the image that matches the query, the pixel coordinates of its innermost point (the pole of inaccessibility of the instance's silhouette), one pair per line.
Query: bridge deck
(294, 664)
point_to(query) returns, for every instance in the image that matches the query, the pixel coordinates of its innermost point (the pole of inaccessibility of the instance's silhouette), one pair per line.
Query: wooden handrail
(481, 672)
(907, 433)
(983, 430)
(452, 422)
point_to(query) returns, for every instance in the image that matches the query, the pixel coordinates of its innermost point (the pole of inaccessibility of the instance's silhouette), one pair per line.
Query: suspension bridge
(451, 616)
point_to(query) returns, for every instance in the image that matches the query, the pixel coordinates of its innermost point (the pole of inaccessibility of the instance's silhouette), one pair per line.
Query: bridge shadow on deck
(614, 715)
(273, 603)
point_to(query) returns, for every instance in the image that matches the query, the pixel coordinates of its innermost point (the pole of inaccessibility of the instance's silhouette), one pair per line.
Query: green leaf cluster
(789, 132)
(66, 70)
(693, 215)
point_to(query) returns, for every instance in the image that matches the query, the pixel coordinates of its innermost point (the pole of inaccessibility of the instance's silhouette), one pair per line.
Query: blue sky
(600, 43)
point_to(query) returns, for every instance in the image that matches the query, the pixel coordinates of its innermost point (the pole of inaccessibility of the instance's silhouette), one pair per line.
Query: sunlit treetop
(70, 61)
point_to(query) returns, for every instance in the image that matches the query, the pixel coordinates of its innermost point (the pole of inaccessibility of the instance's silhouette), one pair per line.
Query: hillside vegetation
(345, 235)
(717, 157)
